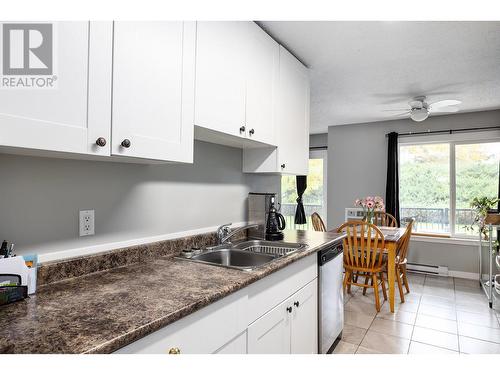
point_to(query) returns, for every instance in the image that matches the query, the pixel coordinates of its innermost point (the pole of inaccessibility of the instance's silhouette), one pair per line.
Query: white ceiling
(360, 70)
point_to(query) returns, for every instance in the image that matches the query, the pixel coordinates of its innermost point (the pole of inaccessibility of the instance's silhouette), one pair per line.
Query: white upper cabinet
(74, 113)
(291, 124)
(293, 115)
(262, 78)
(236, 78)
(220, 77)
(153, 90)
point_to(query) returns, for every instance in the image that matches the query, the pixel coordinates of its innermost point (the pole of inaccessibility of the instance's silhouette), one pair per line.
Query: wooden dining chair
(383, 219)
(401, 260)
(317, 222)
(364, 246)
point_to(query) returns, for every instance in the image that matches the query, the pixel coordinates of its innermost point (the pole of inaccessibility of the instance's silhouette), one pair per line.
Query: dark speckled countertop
(104, 311)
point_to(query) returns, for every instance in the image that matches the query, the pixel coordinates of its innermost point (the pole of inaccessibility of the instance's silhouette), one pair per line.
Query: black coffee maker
(275, 223)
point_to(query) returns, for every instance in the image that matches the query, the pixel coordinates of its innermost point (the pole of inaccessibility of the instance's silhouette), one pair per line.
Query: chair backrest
(402, 251)
(383, 219)
(317, 223)
(364, 245)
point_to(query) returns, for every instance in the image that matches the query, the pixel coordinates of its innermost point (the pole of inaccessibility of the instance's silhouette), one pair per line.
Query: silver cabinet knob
(101, 142)
(126, 143)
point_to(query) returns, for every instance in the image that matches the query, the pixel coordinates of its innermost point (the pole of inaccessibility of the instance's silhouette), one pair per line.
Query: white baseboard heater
(429, 269)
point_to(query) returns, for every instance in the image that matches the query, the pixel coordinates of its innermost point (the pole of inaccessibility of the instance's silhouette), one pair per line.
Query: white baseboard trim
(464, 275)
(96, 249)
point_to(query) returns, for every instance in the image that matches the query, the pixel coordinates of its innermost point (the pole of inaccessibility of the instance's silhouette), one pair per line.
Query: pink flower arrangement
(370, 205)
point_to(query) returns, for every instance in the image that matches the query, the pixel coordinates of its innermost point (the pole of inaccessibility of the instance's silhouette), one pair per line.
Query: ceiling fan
(420, 109)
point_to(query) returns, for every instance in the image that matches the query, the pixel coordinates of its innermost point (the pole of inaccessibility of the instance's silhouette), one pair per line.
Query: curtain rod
(449, 131)
(319, 148)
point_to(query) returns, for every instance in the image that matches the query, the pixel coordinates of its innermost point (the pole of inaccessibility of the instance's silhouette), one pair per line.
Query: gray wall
(357, 166)
(40, 197)
(318, 140)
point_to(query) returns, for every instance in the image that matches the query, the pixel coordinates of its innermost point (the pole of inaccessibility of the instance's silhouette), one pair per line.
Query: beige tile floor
(441, 315)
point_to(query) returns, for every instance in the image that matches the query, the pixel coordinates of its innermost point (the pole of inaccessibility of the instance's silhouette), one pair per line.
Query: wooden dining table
(392, 237)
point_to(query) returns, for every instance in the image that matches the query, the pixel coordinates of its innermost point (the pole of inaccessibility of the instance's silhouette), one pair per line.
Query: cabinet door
(55, 119)
(238, 345)
(220, 76)
(270, 334)
(262, 79)
(293, 115)
(304, 327)
(153, 90)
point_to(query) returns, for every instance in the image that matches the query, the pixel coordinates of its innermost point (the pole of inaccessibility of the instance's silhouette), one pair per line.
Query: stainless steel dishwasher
(330, 297)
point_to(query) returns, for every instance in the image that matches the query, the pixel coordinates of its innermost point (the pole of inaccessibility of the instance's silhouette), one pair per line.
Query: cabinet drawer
(273, 289)
(202, 332)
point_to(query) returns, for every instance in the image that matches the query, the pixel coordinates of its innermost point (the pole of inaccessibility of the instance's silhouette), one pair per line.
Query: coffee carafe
(275, 223)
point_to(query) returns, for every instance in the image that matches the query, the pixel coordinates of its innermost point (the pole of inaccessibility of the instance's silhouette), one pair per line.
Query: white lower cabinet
(304, 327)
(206, 331)
(270, 334)
(277, 314)
(291, 327)
(238, 345)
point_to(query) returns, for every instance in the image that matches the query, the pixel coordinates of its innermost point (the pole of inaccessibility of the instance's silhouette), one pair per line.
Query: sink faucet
(224, 233)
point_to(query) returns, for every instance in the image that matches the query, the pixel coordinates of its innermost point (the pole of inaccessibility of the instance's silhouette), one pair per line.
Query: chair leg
(351, 278)
(400, 286)
(375, 289)
(366, 283)
(382, 282)
(405, 279)
(346, 277)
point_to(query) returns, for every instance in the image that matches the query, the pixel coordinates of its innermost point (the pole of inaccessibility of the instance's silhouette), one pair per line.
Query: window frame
(323, 154)
(315, 154)
(452, 140)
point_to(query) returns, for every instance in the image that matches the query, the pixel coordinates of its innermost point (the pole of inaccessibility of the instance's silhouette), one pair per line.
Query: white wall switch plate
(87, 223)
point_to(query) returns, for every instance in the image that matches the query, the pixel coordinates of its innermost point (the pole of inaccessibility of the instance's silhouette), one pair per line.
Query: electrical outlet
(87, 223)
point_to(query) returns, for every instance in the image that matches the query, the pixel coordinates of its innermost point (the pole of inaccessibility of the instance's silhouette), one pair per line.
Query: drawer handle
(101, 142)
(283, 166)
(296, 303)
(174, 351)
(125, 143)
(289, 309)
(251, 132)
(242, 128)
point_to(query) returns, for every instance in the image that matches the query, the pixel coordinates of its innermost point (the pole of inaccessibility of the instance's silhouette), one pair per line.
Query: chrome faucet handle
(223, 231)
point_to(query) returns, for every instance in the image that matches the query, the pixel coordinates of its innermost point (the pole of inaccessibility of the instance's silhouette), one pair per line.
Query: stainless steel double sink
(245, 255)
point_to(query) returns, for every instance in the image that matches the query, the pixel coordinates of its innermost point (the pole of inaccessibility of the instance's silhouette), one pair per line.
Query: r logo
(27, 49)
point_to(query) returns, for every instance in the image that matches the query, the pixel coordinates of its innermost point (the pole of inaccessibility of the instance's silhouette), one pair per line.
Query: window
(437, 182)
(314, 197)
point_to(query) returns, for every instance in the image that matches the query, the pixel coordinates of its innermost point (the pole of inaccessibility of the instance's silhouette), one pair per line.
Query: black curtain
(300, 215)
(392, 186)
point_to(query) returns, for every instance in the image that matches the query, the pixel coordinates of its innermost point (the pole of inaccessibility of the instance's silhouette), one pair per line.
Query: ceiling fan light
(419, 114)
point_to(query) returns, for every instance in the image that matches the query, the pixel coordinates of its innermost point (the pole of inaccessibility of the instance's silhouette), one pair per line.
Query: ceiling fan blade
(406, 113)
(444, 103)
(447, 109)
